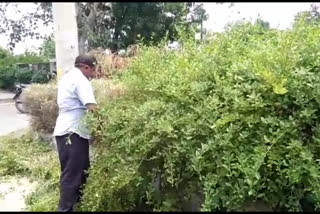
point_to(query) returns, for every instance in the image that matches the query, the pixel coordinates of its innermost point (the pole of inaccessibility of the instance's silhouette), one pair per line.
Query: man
(75, 97)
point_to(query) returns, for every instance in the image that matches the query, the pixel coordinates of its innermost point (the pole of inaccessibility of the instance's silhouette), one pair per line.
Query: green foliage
(25, 153)
(22, 149)
(41, 77)
(150, 21)
(4, 53)
(262, 23)
(29, 58)
(224, 123)
(26, 58)
(23, 75)
(7, 77)
(109, 25)
(48, 48)
(11, 73)
(309, 16)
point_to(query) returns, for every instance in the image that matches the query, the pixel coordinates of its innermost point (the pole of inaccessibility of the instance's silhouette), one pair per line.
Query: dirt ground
(13, 191)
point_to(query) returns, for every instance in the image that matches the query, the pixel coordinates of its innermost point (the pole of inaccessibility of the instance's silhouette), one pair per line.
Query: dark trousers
(74, 162)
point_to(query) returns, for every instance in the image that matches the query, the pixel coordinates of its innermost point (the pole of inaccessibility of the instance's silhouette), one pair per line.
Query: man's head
(87, 64)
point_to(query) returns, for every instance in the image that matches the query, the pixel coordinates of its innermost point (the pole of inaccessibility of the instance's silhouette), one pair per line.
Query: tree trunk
(89, 24)
(134, 35)
(82, 44)
(81, 29)
(66, 36)
(117, 29)
(86, 25)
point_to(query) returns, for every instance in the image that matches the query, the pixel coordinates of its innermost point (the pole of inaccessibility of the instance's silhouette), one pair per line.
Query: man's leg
(74, 160)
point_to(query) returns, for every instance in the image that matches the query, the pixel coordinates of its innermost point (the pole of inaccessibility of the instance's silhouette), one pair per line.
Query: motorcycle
(19, 98)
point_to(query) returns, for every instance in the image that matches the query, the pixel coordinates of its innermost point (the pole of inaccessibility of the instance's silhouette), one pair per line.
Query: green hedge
(7, 77)
(10, 73)
(41, 76)
(7, 59)
(23, 75)
(227, 123)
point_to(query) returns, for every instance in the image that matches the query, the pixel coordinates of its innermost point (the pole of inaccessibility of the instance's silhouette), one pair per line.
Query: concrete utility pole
(66, 36)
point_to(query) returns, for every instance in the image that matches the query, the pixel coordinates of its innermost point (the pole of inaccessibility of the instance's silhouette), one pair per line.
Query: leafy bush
(45, 198)
(107, 89)
(4, 53)
(29, 58)
(42, 104)
(7, 77)
(23, 75)
(41, 77)
(26, 58)
(224, 124)
(110, 65)
(10, 73)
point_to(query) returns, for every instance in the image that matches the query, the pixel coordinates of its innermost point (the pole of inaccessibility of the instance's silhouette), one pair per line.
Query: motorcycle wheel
(21, 107)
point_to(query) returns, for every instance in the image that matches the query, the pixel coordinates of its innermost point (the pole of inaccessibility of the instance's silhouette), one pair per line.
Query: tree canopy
(312, 15)
(27, 25)
(110, 25)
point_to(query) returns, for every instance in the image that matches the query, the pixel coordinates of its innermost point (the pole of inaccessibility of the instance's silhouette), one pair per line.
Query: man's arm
(86, 96)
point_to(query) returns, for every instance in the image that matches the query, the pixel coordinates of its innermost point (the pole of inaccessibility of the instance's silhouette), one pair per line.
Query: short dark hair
(85, 60)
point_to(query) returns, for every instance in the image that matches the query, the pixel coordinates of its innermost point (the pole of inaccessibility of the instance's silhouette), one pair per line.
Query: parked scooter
(19, 98)
(19, 95)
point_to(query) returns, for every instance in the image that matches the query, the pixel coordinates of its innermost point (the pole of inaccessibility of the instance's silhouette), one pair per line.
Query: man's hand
(92, 140)
(91, 106)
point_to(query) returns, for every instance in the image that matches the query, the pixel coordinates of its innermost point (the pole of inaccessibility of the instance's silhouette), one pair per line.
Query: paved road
(10, 119)
(6, 96)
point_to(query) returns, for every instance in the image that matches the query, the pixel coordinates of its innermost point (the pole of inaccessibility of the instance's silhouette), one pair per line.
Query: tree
(4, 53)
(109, 25)
(48, 48)
(92, 17)
(17, 30)
(312, 15)
(198, 16)
(150, 21)
(264, 24)
(27, 25)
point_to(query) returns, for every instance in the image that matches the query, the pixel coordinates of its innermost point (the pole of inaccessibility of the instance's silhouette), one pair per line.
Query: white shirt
(74, 92)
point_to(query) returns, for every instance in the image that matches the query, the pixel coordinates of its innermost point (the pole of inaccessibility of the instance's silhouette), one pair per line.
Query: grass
(24, 154)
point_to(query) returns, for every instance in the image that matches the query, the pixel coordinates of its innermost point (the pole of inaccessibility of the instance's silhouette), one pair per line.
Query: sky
(279, 15)
(31, 44)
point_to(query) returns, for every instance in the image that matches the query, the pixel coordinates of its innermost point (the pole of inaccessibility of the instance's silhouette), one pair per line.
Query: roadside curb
(8, 100)
(6, 96)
